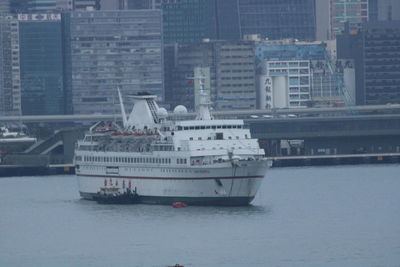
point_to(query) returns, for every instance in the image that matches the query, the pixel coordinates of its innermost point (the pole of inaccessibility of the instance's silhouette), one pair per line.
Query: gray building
(5, 6)
(10, 102)
(375, 52)
(278, 19)
(232, 73)
(41, 64)
(110, 49)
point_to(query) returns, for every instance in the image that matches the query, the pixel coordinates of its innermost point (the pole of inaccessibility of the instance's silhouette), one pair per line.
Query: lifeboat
(179, 205)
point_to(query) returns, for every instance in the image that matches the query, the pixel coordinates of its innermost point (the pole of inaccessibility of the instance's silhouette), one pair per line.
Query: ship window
(199, 138)
(197, 127)
(186, 128)
(237, 137)
(229, 126)
(208, 138)
(229, 137)
(184, 161)
(191, 127)
(202, 127)
(218, 126)
(224, 126)
(191, 138)
(179, 128)
(245, 136)
(219, 136)
(214, 127)
(208, 127)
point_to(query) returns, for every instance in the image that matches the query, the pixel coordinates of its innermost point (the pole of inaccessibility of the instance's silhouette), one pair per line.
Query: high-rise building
(39, 6)
(5, 7)
(190, 21)
(41, 64)
(110, 49)
(10, 91)
(388, 10)
(231, 68)
(31, 64)
(375, 52)
(381, 62)
(145, 4)
(353, 12)
(89, 5)
(276, 20)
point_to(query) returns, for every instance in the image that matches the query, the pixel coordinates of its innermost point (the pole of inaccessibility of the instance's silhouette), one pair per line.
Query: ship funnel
(145, 112)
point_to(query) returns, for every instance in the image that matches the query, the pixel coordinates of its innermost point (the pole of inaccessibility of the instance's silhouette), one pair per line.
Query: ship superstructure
(203, 161)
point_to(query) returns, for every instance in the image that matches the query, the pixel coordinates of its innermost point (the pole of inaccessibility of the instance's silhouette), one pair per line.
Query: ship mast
(204, 111)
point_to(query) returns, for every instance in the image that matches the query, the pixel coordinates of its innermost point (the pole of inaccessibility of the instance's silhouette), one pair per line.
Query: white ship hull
(220, 184)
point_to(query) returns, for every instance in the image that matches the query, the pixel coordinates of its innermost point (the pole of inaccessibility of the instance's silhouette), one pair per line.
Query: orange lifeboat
(179, 205)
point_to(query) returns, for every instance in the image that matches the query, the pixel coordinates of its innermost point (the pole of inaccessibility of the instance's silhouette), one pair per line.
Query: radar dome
(162, 112)
(180, 109)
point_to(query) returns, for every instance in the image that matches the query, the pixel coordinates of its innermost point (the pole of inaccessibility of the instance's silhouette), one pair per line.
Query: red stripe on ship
(168, 178)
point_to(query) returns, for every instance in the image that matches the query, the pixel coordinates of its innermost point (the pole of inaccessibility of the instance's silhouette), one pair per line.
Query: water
(330, 216)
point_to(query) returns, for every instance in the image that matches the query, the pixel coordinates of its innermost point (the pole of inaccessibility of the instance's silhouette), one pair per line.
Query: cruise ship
(203, 161)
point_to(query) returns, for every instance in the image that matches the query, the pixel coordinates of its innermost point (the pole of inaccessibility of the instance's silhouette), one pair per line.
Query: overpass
(341, 135)
(276, 113)
(319, 139)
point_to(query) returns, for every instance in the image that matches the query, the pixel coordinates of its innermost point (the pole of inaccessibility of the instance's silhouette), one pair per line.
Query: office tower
(10, 91)
(89, 5)
(190, 21)
(278, 19)
(5, 7)
(41, 64)
(375, 52)
(110, 49)
(381, 62)
(353, 12)
(388, 10)
(231, 68)
(144, 4)
(39, 6)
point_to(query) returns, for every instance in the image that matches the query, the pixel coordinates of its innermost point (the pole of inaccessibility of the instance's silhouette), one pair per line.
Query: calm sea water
(319, 216)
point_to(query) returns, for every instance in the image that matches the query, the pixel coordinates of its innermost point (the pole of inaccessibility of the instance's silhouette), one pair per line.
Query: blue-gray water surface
(317, 216)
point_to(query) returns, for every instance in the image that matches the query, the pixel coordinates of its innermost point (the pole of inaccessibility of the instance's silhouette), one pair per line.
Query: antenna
(204, 111)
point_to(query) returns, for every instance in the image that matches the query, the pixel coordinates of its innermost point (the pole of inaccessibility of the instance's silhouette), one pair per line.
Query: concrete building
(388, 10)
(278, 19)
(38, 6)
(190, 21)
(32, 65)
(41, 64)
(5, 7)
(10, 91)
(375, 53)
(295, 74)
(110, 49)
(231, 66)
(353, 12)
(86, 5)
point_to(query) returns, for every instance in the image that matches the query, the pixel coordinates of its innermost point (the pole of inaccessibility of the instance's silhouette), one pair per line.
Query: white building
(285, 84)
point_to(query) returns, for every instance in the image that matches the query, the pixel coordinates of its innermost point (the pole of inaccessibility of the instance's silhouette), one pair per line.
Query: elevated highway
(275, 113)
